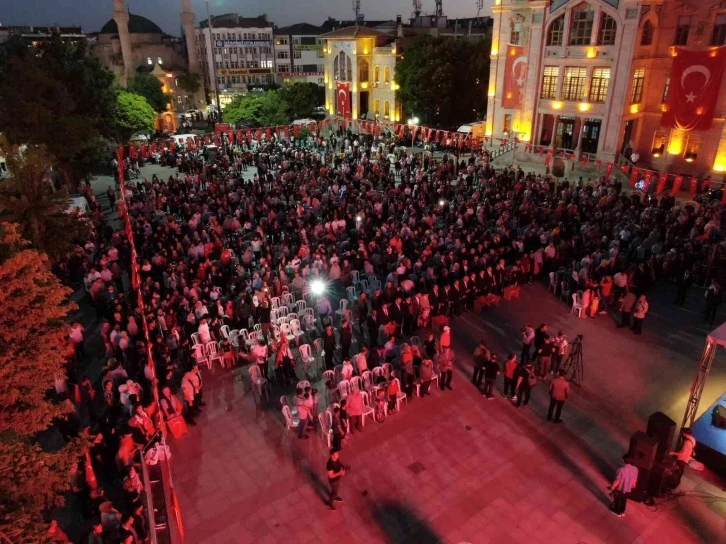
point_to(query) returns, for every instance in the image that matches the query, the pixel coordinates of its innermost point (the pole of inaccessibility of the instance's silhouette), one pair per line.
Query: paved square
(455, 467)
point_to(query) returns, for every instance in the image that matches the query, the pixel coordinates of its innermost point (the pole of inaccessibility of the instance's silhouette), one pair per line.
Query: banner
(343, 106)
(677, 185)
(693, 187)
(646, 182)
(694, 88)
(608, 170)
(661, 183)
(287, 132)
(548, 158)
(515, 76)
(634, 177)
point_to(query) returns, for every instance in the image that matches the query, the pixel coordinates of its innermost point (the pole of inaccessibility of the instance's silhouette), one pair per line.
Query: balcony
(571, 108)
(581, 52)
(387, 50)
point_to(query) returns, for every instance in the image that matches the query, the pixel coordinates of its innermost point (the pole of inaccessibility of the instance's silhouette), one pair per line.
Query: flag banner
(608, 170)
(548, 159)
(693, 187)
(343, 99)
(295, 130)
(646, 181)
(694, 88)
(634, 176)
(677, 182)
(287, 132)
(515, 75)
(661, 183)
(599, 164)
(586, 159)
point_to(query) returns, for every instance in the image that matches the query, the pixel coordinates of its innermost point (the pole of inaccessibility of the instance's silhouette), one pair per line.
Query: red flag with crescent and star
(342, 99)
(661, 183)
(677, 182)
(515, 75)
(694, 88)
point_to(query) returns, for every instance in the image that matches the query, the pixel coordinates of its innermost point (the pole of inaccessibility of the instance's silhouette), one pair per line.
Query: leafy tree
(278, 107)
(189, 82)
(298, 100)
(58, 96)
(27, 198)
(31, 353)
(443, 81)
(150, 88)
(134, 115)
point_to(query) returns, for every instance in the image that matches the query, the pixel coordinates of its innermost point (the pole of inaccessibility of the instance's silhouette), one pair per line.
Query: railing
(501, 150)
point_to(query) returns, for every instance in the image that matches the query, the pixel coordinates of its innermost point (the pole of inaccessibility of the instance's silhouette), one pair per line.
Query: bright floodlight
(317, 287)
(441, 202)
(358, 218)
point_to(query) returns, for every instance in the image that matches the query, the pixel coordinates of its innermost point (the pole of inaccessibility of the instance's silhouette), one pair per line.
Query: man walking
(559, 393)
(446, 366)
(511, 368)
(626, 479)
(491, 371)
(336, 471)
(527, 340)
(525, 382)
(626, 308)
(481, 356)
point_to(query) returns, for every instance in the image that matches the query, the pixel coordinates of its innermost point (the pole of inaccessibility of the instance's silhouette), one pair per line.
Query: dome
(137, 25)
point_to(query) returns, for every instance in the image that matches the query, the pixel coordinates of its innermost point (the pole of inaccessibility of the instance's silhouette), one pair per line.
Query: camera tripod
(574, 365)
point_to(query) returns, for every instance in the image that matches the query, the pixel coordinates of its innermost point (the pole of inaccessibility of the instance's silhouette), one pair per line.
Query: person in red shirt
(510, 375)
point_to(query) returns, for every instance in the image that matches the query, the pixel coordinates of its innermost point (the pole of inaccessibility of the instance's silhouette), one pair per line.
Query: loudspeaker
(640, 492)
(665, 476)
(643, 449)
(718, 418)
(663, 429)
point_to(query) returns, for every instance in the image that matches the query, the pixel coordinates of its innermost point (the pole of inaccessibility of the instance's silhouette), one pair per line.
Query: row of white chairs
(206, 354)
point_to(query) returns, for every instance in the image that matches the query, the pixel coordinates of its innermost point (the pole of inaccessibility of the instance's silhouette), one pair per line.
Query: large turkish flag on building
(694, 87)
(342, 100)
(515, 75)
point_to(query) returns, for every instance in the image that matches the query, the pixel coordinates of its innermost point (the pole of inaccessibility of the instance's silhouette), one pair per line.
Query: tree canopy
(27, 198)
(150, 88)
(277, 107)
(58, 96)
(443, 81)
(134, 115)
(189, 82)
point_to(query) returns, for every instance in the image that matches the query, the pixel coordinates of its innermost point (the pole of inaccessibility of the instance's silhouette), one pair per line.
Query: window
(149, 61)
(342, 69)
(573, 87)
(297, 54)
(636, 96)
(608, 30)
(321, 55)
(386, 109)
(659, 144)
(507, 124)
(684, 24)
(556, 31)
(581, 28)
(283, 68)
(599, 84)
(362, 70)
(516, 33)
(266, 64)
(283, 55)
(387, 74)
(377, 107)
(666, 89)
(549, 81)
(692, 148)
(282, 40)
(377, 74)
(646, 37)
(718, 36)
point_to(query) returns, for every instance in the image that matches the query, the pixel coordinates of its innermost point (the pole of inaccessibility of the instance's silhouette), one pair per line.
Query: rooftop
(137, 25)
(300, 29)
(234, 20)
(355, 32)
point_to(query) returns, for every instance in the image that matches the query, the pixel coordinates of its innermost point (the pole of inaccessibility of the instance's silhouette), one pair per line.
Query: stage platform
(711, 441)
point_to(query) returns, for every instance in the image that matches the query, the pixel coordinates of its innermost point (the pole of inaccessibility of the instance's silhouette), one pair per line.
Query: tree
(278, 107)
(298, 101)
(31, 354)
(189, 82)
(27, 198)
(150, 88)
(134, 115)
(443, 81)
(58, 96)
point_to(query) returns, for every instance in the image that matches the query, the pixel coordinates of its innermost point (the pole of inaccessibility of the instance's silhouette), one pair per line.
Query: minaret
(187, 19)
(121, 16)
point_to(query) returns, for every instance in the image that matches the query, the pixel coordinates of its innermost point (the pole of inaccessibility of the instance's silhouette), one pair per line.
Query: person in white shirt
(303, 403)
(347, 370)
(260, 354)
(361, 360)
(204, 335)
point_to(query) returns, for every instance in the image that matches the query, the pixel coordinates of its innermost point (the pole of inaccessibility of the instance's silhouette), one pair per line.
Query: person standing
(426, 374)
(511, 370)
(526, 380)
(713, 301)
(639, 313)
(336, 471)
(626, 479)
(685, 280)
(626, 308)
(527, 340)
(561, 344)
(491, 371)
(559, 393)
(545, 353)
(303, 412)
(446, 367)
(355, 410)
(346, 338)
(481, 356)
(329, 346)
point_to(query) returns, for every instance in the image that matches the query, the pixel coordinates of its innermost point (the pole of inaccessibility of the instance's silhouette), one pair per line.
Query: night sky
(92, 14)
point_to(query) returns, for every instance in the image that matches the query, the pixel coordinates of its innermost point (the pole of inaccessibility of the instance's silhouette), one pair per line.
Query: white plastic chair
(414, 341)
(195, 339)
(367, 378)
(252, 339)
(364, 287)
(338, 369)
(257, 327)
(200, 355)
(577, 304)
(234, 339)
(356, 382)
(400, 395)
(295, 329)
(355, 277)
(275, 302)
(290, 421)
(283, 311)
(368, 410)
(343, 307)
(344, 388)
(224, 329)
(276, 332)
(274, 316)
(259, 383)
(378, 372)
(285, 329)
(310, 312)
(553, 283)
(564, 291)
(351, 293)
(386, 370)
(306, 355)
(287, 300)
(301, 305)
(302, 384)
(327, 376)
(290, 316)
(326, 433)
(213, 354)
(280, 321)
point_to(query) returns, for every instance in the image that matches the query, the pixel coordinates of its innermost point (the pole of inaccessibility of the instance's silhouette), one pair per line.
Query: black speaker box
(718, 418)
(640, 493)
(663, 429)
(643, 449)
(665, 476)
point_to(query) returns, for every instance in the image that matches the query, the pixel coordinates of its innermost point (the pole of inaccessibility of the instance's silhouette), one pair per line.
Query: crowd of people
(216, 244)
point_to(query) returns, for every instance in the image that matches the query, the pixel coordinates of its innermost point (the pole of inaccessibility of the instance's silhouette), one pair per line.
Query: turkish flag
(437, 137)
(277, 131)
(152, 148)
(296, 130)
(343, 98)
(694, 88)
(548, 158)
(648, 179)
(585, 159)
(599, 164)
(661, 183)
(541, 150)
(172, 146)
(314, 127)
(132, 152)
(267, 133)
(206, 139)
(677, 185)
(634, 176)
(287, 132)
(694, 187)
(249, 135)
(190, 143)
(259, 134)
(515, 76)
(624, 168)
(217, 139)
(143, 151)
(240, 136)
(608, 170)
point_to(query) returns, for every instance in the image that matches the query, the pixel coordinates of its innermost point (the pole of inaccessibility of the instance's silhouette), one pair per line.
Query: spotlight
(317, 287)
(441, 202)
(358, 218)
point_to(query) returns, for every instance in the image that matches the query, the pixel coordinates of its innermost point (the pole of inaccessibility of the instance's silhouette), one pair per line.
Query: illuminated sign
(243, 43)
(307, 47)
(243, 71)
(299, 74)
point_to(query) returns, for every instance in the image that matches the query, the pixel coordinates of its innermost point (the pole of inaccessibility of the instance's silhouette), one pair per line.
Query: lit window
(666, 89)
(581, 28)
(387, 74)
(159, 61)
(377, 107)
(608, 30)
(506, 125)
(386, 109)
(377, 74)
(684, 24)
(599, 84)
(692, 148)
(573, 87)
(549, 81)
(718, 36)
(646, 37)
(659, 143)
(516, 33)
(149, 61)
(636, 96)
(556, 31)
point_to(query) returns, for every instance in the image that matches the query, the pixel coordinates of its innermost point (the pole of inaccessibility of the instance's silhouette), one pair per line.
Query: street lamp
(411, 124)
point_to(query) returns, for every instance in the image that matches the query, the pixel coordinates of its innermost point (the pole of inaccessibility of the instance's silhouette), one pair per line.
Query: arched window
(386, 109)
(387, 74)
(362, 70)
(582, 18)
(342, 67)
(608, 30)
(377, 74)
(556, 31)
(646, 37)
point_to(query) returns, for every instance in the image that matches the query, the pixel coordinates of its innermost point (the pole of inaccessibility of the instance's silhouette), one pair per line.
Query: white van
(180, 139)
(477, 129)
(78, 203)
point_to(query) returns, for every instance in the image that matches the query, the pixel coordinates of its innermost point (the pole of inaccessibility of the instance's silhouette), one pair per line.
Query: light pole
(411, 125)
